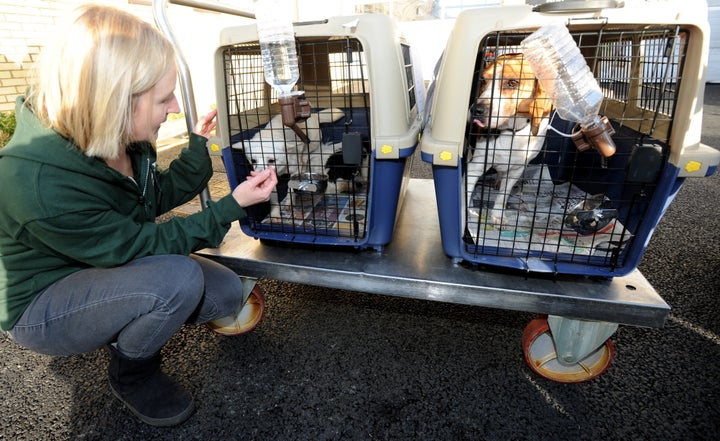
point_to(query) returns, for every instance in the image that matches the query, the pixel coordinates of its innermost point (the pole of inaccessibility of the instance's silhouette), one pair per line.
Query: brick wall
(25, 25)
(14, 77)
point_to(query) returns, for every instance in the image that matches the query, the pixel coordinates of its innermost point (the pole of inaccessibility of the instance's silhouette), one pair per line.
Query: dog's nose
(480, 110)
(480, 114)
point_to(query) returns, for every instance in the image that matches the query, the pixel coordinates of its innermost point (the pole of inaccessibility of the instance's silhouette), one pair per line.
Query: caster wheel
(243, 321)
(541, 357)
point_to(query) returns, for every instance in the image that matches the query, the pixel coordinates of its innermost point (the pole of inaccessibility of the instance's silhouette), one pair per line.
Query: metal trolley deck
(413, 265)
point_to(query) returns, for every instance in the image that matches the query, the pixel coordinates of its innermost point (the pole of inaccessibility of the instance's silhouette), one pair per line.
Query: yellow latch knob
(693, 166)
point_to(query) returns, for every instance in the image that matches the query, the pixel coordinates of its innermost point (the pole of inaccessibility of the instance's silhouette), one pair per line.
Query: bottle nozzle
(596, 134)
(295, 108)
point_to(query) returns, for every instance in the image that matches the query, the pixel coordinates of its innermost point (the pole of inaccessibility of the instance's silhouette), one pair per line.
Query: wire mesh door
(324, 168)
(531, 190)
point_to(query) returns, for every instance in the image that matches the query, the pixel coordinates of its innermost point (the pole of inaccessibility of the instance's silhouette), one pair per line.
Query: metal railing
(186, 88)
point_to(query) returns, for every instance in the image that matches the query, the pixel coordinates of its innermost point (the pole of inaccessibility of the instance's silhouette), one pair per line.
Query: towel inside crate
(340, 212)
(536, 219)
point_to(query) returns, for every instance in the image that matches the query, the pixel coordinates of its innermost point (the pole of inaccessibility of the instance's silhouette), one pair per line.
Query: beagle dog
(510, 117)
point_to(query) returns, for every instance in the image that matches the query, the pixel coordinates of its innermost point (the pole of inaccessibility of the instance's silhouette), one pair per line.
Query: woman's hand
(256, 188)
(206, 124)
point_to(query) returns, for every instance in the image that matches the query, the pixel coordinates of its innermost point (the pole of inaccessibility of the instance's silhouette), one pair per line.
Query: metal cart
(569, 342)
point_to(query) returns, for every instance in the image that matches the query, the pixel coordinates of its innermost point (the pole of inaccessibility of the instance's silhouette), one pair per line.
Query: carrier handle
(577, 6)
(186, 88)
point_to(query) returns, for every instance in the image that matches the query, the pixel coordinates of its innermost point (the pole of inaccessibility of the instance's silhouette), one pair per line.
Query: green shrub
(7, 127)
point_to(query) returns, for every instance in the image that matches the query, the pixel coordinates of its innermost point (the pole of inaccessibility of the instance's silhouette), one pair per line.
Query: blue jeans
(137, 306)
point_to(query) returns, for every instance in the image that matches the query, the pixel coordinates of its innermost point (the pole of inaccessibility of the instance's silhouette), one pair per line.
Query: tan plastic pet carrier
(343, 167)
(519, 186)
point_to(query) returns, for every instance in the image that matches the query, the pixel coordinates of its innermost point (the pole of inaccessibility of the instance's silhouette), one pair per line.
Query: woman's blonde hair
(88, 77)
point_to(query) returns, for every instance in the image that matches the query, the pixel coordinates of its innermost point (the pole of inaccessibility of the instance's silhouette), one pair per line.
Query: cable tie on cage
(566, 135)
(550, 127)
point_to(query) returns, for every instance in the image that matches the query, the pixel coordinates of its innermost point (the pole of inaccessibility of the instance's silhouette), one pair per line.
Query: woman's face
(152, 107)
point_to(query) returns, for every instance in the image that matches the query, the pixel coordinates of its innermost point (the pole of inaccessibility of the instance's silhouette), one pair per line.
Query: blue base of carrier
(450, 195)
(387, 184)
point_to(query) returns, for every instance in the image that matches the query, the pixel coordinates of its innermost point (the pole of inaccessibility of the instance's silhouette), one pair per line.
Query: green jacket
(62, 211)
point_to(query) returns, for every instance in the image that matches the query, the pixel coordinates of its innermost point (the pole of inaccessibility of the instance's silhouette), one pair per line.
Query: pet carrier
(341, 145)
(517, 185)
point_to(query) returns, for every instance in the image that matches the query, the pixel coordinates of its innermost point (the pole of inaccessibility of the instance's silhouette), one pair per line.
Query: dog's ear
(540, 107)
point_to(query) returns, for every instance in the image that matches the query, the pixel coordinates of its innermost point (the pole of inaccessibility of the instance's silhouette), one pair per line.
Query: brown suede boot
(150, 394)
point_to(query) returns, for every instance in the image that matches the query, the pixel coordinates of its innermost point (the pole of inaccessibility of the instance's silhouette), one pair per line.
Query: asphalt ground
(336, 365)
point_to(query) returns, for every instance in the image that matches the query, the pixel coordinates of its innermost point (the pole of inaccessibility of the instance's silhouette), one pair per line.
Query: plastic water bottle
(277, 44)
(563, 72)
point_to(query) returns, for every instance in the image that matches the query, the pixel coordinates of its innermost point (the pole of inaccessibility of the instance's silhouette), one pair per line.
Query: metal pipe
(186, 88)
(214, 7)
